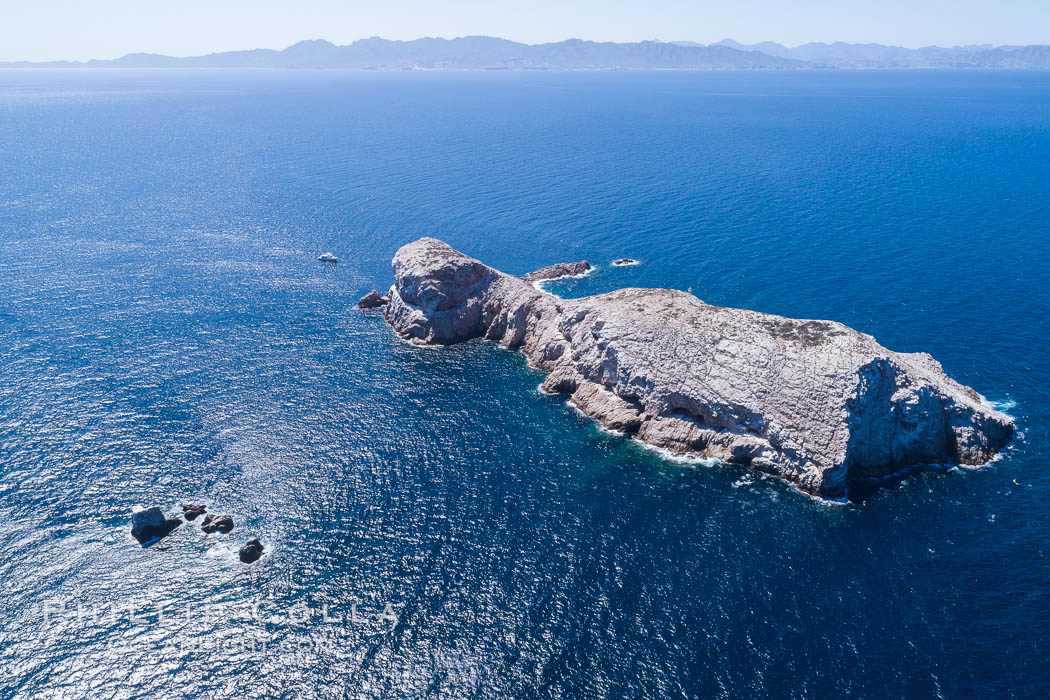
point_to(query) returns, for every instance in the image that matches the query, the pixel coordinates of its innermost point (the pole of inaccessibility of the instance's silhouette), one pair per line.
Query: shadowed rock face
(251, 551)
(150, 524)
(814, 402)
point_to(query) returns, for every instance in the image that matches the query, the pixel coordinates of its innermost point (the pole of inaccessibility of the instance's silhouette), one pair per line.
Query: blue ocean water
(167, 336)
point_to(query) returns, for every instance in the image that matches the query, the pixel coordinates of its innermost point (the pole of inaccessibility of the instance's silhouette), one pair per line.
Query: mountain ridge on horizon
(494, 53)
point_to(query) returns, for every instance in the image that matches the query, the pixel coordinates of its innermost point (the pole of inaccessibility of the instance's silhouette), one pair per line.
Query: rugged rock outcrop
(815, 402)
(372, 300)
(217, 523)
(150, 524)
(251, 551)
(553, 272)
(192, 510)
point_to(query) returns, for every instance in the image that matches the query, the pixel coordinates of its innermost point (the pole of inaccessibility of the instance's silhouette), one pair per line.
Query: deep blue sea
(435, 527)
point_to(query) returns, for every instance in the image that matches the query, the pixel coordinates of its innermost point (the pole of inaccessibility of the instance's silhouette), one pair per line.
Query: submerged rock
(192, 510)
(814, 402)
(552, 272)
(251, 551)
(217, 523)
(623, 262)
(150, 524)
(372, 300)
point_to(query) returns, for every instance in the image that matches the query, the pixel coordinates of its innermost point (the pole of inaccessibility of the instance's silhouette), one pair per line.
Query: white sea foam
(974, 467)
(422, 346)
(689, 458)
(538, 284)
(822, 500)
(1004, 405)
(597, 423)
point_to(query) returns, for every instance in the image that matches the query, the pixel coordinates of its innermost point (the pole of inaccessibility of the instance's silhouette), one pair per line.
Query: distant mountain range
(482, 52)
(842, 55)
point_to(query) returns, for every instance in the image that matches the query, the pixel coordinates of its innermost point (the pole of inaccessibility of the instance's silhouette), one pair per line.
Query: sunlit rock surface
(814, 402)
(372, 300)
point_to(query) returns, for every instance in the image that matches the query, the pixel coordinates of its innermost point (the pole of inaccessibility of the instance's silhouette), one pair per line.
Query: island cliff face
(814, 402)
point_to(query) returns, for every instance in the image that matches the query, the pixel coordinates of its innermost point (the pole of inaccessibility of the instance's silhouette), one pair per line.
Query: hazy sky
(81, 29)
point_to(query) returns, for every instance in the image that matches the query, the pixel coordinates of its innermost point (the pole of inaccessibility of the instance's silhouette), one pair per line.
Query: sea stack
(372, 300)
(150, 524)
(217, 523)
(251, 551)
(192, 510)
(814, 402)
(553, 272)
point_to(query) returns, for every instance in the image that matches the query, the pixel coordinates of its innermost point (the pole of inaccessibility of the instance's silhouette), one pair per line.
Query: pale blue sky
(80, 29)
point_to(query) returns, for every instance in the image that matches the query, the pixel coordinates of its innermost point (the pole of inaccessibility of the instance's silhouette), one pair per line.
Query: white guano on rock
(814, 402)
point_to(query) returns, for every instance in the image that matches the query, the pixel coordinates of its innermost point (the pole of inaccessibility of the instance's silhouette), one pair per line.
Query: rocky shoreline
(814, 402)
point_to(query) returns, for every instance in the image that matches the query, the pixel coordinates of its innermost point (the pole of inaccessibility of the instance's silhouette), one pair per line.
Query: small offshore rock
(251, 551)
(217, 523)
(192, 510)
(372, 300)
(552, 272)
(327, 258)
(150, 524)
(623, 262)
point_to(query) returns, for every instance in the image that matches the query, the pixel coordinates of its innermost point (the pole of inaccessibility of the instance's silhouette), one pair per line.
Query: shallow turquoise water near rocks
(166, 335)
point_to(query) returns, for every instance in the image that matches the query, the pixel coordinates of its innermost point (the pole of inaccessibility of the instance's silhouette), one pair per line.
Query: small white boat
(328, 258)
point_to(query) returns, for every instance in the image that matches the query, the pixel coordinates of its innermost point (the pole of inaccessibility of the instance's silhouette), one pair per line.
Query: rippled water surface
(166, 335)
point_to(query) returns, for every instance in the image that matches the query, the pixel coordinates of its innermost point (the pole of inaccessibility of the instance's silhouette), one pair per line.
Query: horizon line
(684, 43)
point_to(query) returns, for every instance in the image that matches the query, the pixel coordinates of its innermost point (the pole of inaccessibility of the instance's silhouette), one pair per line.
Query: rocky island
(814, 402)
